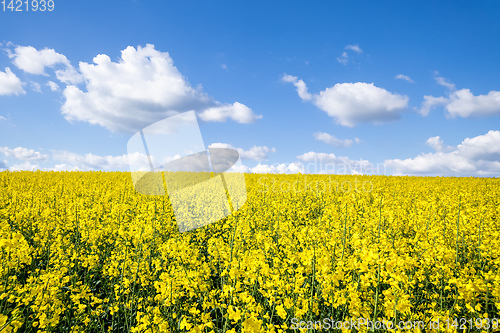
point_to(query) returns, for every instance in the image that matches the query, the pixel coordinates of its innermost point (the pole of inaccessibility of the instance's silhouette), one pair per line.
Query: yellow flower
(3, 320)
(251, 325)
(234, 313)
(281, 311)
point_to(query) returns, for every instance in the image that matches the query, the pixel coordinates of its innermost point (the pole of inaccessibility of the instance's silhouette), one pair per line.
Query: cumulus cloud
(478, 156)
(404, 77)
(462, 103)
(334, 141)
(24, 154)
(256, 153)
(34, 61)
(143, 87)
(353, 103)
(10, 84)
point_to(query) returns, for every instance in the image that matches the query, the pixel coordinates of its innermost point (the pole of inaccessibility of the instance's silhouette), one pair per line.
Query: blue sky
(410, 87)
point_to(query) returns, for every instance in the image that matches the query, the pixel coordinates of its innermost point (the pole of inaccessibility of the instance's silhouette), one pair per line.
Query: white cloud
(483, 147)
(95, 162)
(437, 144)
(24, 154)
(26, 166)
(353, 103)
(330, 163)
(334, 141)
(430, 102)
(478, 156)
(256, 153)
(36, 87)
(432, 163)
(10, 84)
(294, 167)
(300, 85)
(34, 61)
(53, 86)
(462, 103)
(143, 87)
(355, 48)
(404, 77)
(3, 118)
(343, 58)
(444, 82)
(64, 167)
(236, 111)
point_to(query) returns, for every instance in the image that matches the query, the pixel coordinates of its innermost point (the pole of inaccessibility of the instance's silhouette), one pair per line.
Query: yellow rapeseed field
(84, 252)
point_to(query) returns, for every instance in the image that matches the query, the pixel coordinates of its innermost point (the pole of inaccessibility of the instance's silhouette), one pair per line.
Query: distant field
(82, 251)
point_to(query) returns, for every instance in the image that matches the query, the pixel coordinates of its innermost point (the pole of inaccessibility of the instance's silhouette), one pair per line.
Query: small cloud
(256, 153)
(332, 140)
(343, 58)
(24, 154)
(36, 87)
(3, 118)
(430, 102)
(236, 111)
(443, 82)
(404, 77)
(299, 84)
(10, 84)
(34, 61)
(437, 144)
(53, 86)
(355, 48)
(223, 66)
